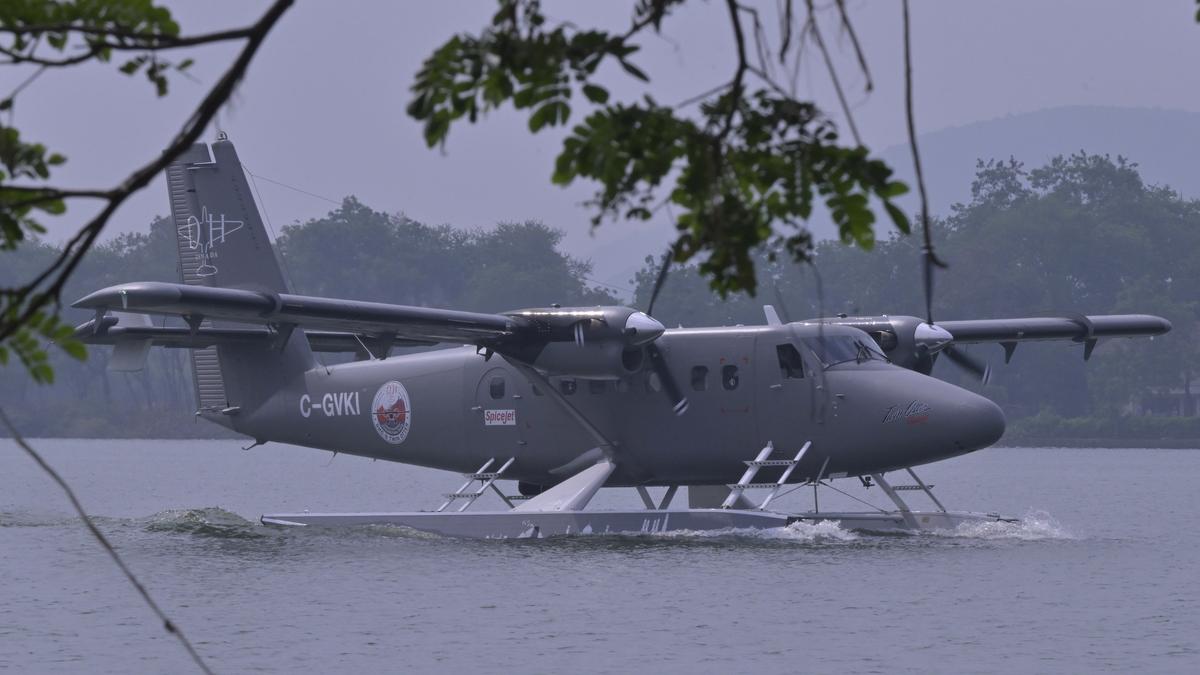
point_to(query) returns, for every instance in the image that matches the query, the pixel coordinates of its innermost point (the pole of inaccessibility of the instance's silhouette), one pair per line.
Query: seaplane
(563, 401)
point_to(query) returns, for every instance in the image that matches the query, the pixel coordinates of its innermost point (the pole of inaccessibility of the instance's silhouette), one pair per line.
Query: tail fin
(222, 242)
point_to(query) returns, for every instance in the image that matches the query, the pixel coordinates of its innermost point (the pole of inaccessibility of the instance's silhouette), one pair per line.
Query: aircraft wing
(342, 320)
(1078, 328)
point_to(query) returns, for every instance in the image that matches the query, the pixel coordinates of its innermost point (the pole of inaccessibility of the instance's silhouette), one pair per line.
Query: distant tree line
(1083, 234)
(353, 252)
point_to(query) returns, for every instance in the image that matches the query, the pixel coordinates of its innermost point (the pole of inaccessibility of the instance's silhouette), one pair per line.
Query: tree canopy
(1082, 234)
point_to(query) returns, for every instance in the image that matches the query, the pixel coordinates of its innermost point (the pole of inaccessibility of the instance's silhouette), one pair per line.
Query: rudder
(222, 243)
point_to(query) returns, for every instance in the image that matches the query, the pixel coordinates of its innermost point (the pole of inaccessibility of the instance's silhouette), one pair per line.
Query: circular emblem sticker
(391, 412)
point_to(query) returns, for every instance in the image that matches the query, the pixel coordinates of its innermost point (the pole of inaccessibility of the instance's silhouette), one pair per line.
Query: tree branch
(168, 41)
(837, 84)
(168, 625)
(83, 240)
(858, 50)
(735, 89)
(931, 258)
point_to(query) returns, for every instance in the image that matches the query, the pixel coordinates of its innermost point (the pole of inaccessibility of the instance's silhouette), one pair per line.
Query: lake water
(1100, 575)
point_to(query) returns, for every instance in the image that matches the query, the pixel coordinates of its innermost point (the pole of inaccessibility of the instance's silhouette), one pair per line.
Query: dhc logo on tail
(204, 233)
(391, 412)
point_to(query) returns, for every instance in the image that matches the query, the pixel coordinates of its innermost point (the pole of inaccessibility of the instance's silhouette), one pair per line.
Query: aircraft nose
(928, 419)
(981, 425)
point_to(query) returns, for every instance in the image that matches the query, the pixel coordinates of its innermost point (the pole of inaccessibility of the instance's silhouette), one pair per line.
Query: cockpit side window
(834, 349)
(791, 366)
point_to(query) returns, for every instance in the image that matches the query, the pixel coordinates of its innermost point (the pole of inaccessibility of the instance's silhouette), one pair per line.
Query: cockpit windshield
(834, 349)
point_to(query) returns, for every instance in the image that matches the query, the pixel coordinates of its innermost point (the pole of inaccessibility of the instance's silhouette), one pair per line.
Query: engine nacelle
(907, 340)
(596, 361)
(598, 343)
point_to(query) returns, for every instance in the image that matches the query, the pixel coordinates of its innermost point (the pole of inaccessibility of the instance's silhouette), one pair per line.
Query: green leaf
(595, 94)
(634, 70)
(73, 347)
(543, 116)
(899, 219)
(42, 372)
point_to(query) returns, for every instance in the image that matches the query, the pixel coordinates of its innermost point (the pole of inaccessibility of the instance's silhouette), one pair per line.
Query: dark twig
(126, 41)
(858, 50)
(786, 38)
(837, 84)
(25, 83)
(931, 259)
(168, 625)
(735, 89)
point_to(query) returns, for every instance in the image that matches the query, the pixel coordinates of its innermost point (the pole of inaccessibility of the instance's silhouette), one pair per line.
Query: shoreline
(1021, 442)
(1104, 443)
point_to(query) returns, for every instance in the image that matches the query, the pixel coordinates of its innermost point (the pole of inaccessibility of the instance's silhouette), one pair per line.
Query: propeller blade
(924, 359)
(658, 362)
(658, 283)
(929, 262)
(982, 370)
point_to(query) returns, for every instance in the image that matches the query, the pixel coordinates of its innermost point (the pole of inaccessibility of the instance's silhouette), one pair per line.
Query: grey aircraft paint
(557, 389)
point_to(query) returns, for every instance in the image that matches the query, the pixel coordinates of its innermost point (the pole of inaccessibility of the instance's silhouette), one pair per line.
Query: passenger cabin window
(496, 387)
(791, 366)
(567, 386)
(729, 377)
(699, 378)
(596, 386)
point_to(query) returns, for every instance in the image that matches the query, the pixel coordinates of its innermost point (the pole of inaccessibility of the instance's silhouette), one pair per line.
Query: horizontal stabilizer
(119, 332)
(278, 309)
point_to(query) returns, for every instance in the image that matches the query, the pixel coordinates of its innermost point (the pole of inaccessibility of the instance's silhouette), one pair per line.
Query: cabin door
(781, 391)
(495, 417)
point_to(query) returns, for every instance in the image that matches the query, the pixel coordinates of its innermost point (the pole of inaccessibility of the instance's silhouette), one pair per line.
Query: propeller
(679, 402)
(936, 339)
(963, 360)
(932, 340)
(664, 267)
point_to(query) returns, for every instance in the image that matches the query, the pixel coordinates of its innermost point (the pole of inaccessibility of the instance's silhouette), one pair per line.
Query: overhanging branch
(61, 269)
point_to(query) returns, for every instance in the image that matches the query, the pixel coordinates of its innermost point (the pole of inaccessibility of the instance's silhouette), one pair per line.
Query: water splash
(799, 531)
(1033, 526)
(208, 522)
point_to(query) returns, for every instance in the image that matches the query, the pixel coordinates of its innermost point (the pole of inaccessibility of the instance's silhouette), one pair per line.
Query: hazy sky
(323, 105)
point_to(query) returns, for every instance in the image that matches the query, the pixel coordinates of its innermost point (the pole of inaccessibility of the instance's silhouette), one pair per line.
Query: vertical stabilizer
(222, 243)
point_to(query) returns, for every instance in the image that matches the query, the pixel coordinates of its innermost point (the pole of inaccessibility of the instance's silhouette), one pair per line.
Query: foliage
(352, 252)
(356, 252)
(1082, 234)
(746, 169)
(38, 35)
(1046, 426)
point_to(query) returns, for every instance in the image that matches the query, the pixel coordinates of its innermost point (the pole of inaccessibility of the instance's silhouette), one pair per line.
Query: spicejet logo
(499, 418)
